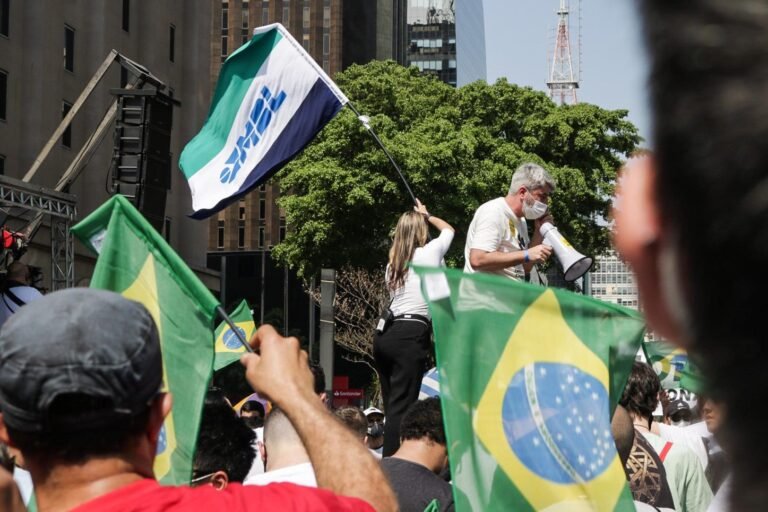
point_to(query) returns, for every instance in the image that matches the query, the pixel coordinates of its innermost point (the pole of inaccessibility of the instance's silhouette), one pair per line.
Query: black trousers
(401, 356)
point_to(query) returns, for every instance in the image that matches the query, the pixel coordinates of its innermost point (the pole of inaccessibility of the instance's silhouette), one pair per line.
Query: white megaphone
(573, 262)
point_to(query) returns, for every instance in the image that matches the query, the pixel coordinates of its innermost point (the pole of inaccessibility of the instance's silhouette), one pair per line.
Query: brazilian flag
(529, 378)
(136, 261)
(228, 348)
(668, 362)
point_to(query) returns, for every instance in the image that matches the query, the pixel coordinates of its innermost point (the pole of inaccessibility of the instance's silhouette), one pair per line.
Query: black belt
(412, 318)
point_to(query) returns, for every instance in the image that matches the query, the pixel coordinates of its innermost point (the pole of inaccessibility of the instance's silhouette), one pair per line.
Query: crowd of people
(82, 407)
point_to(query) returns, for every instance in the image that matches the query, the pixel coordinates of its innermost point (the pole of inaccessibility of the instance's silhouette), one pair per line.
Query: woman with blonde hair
(401, 350)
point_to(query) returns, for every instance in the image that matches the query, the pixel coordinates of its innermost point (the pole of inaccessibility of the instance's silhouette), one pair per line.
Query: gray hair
(531, 176)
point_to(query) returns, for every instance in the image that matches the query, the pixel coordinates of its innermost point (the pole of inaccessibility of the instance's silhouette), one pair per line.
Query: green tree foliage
(457, 148)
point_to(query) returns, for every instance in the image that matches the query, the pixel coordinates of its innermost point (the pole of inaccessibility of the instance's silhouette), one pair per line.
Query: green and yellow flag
(136, 261)
(228, 348)
(529, 377)
(668, 362)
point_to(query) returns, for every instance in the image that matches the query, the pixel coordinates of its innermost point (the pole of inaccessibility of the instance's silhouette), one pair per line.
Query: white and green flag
(270, 101)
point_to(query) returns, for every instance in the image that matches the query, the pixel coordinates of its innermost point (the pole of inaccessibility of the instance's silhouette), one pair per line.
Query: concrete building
(612, 281)
(48, 53)
(442, 37)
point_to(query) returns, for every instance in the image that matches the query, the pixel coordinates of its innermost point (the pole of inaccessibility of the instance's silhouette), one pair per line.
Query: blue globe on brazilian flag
(529, 378)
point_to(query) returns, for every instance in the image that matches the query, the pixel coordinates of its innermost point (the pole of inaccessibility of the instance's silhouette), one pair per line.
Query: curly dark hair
(424, 419)
(641, 394)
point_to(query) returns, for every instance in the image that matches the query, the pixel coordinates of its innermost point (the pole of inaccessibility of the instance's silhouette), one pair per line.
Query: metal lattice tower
(562, 82)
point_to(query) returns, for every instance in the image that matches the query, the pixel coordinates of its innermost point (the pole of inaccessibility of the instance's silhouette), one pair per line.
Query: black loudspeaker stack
(141, 161)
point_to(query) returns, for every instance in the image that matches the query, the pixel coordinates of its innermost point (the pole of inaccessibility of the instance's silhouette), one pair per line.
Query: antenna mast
(563, 81)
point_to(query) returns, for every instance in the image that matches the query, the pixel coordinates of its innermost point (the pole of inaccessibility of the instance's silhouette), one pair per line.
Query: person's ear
(262, 452)
(160, 408)
(4, 438)
(639, 239)
(219, 480)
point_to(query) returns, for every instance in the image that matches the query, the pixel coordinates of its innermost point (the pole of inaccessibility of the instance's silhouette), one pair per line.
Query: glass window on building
(326, 44)
(220, 234)
(66, 138)
(167, 229)
(265, 12)
(244, 32)
(5, 11)
(261, 237)
(282, 233)
(306, 17)
(262, 208)
(241, 234)
(3, 94)
(69, 48)
(327, 17)
(2, 164)
(172, 43)
(126, 15)
(286, 13)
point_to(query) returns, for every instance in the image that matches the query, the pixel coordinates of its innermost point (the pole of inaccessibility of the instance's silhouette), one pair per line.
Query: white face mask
(534, 211)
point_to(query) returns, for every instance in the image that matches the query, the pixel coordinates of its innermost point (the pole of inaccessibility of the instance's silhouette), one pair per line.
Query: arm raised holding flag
(281, 373)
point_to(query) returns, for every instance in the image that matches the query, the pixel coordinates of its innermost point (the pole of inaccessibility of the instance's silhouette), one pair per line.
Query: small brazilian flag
(136, 261)
(529, 377)
(668, 362)
(228, 348)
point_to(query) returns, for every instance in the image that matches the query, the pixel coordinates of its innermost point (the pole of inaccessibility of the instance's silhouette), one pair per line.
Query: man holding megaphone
(497, 239)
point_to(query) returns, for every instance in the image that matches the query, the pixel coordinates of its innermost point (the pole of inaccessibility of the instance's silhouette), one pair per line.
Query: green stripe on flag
(529, 378)
(235, 80)
(136, 261)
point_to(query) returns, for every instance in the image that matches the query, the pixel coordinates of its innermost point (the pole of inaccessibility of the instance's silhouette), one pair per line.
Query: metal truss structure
(563, 80)
(61, 208)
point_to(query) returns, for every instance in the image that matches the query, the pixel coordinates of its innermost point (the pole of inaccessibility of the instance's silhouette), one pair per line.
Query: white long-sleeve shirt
(407, 299)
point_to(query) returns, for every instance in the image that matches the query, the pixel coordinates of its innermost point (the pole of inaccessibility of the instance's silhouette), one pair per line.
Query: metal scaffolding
(61, 208)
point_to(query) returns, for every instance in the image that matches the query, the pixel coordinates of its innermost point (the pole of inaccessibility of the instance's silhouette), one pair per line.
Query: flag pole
(365, 120)
(223, 314)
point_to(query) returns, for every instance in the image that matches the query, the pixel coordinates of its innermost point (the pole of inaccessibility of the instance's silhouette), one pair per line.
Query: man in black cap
(678, 413)
(80, 377)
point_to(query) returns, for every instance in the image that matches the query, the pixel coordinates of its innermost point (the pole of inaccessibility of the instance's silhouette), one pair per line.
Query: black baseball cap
(81, 342)
(676, 406)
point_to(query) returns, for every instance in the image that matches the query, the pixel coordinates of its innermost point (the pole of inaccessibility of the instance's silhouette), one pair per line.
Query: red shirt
(149, 496)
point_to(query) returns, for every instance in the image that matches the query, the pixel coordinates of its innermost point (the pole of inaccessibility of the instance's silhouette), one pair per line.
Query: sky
(520, 36)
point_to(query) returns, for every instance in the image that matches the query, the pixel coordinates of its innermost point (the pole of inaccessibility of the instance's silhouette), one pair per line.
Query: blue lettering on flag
(258, 121)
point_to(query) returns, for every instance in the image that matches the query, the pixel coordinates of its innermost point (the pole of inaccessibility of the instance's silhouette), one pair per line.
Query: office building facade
(611, 280)
(445, 38)
(48, 53)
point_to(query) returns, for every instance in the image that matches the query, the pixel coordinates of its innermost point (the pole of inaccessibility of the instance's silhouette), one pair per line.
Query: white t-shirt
(495, 227)
(408, 299)
(690, 437)
(299, 474)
